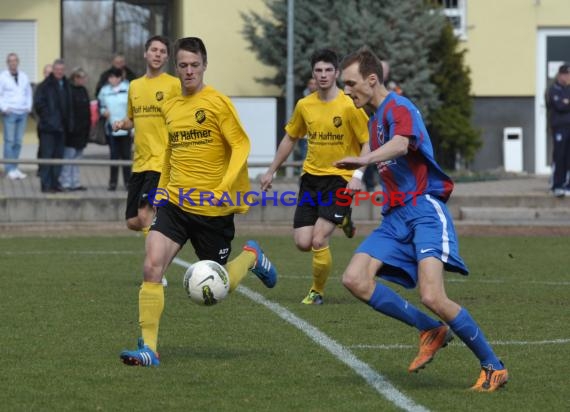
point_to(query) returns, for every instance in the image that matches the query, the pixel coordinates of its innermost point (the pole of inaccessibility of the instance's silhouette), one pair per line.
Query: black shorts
(211, 236)
(140, 184)
(318, 198)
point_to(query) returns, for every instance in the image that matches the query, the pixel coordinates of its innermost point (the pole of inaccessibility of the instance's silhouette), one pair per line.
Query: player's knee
(432, 301)
(319, 243)
(352, 281)
(303, 245)
(152, 270)
(133, 224)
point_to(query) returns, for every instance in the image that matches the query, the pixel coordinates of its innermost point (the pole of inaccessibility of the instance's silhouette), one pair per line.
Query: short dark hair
(564, 69)
(324, 55)
(368, 62)
(192, 45)
(164, 40)
(115, 71)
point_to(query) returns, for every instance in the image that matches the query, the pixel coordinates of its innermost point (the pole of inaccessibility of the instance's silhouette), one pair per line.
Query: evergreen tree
(454, 138)
(401, 32)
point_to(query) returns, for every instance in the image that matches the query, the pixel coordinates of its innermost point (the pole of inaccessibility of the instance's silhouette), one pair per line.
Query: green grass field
(69, 306)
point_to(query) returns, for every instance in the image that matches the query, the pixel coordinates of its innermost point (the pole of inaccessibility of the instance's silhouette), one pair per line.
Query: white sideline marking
(497, 343)
(69, 252)
(373, 378)
(471, 280)
(531, 282)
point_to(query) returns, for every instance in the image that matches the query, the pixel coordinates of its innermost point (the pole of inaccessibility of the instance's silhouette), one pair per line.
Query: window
(96, 29)
(22, 35)
(456, 12)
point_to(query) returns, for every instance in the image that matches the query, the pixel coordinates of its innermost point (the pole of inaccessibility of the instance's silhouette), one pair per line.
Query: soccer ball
(206, 282)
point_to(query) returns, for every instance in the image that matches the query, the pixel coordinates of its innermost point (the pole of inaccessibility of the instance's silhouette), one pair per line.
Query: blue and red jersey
(417, 172)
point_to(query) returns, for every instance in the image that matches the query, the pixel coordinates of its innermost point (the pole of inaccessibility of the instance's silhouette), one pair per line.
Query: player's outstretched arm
(397, 146)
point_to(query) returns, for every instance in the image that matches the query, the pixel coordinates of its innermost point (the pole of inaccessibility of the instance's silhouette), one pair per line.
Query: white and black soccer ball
(207, 282)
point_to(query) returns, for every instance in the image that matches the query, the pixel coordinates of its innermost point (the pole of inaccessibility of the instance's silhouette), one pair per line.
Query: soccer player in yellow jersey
(333, 126)
(205, 165)
(147, 94)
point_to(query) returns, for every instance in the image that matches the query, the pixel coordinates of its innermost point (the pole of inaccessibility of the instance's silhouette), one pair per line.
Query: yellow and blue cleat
(263, 268)
(347, 225)
(313, 298)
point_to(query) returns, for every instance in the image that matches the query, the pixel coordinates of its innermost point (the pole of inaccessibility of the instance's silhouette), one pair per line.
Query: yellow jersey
(146, 97)
(334, 130)
(206, 155)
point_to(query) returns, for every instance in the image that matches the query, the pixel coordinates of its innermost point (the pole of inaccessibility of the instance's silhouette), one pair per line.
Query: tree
(455, 140)
(401, 32)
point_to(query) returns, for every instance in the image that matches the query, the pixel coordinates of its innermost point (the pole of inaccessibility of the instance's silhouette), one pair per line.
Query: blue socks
(467, 330)
(388, 302)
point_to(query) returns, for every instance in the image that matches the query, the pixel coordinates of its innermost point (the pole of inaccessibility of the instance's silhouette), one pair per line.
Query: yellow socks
(322, 264)
(237, 268)
(145, 231)
(151, 304)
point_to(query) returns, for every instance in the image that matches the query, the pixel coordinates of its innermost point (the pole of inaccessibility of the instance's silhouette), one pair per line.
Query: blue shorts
(411, 233)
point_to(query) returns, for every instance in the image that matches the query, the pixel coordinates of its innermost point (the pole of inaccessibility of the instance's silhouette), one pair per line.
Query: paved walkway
(517, 205)
(95, 178)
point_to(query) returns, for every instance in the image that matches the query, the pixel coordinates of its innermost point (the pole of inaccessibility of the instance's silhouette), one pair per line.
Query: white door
(553, 49)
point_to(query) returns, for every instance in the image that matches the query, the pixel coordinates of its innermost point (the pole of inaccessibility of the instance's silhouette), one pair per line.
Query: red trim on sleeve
(403, 124)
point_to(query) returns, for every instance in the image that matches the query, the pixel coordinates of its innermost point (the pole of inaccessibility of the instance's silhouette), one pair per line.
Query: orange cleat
(430, 342)
(490, 379)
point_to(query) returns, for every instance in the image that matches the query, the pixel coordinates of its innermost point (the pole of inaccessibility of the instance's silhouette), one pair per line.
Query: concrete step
(516, 215)
(107, 207)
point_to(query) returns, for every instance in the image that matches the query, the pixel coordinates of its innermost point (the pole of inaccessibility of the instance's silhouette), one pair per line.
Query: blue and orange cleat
(262, 268)
(143, 356)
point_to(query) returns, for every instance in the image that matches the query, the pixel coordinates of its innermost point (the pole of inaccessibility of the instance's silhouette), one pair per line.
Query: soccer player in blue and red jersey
(416, 240)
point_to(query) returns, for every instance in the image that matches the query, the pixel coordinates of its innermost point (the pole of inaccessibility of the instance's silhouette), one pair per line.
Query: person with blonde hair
(15, 105)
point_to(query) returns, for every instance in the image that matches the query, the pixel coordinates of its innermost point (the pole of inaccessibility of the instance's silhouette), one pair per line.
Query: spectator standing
(120, 63)
(76, 139)
(15, 105)
(558, 103)
(54, 107)
(113, 100)
(48, 68)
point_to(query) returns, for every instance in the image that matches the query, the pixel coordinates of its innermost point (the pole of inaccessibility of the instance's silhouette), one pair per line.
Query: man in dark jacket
(76, 139)
(54, 107)
(118, 62)
(558, 103)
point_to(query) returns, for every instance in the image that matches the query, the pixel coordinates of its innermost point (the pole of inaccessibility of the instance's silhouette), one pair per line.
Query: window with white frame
(19, 37)
(456, 12)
